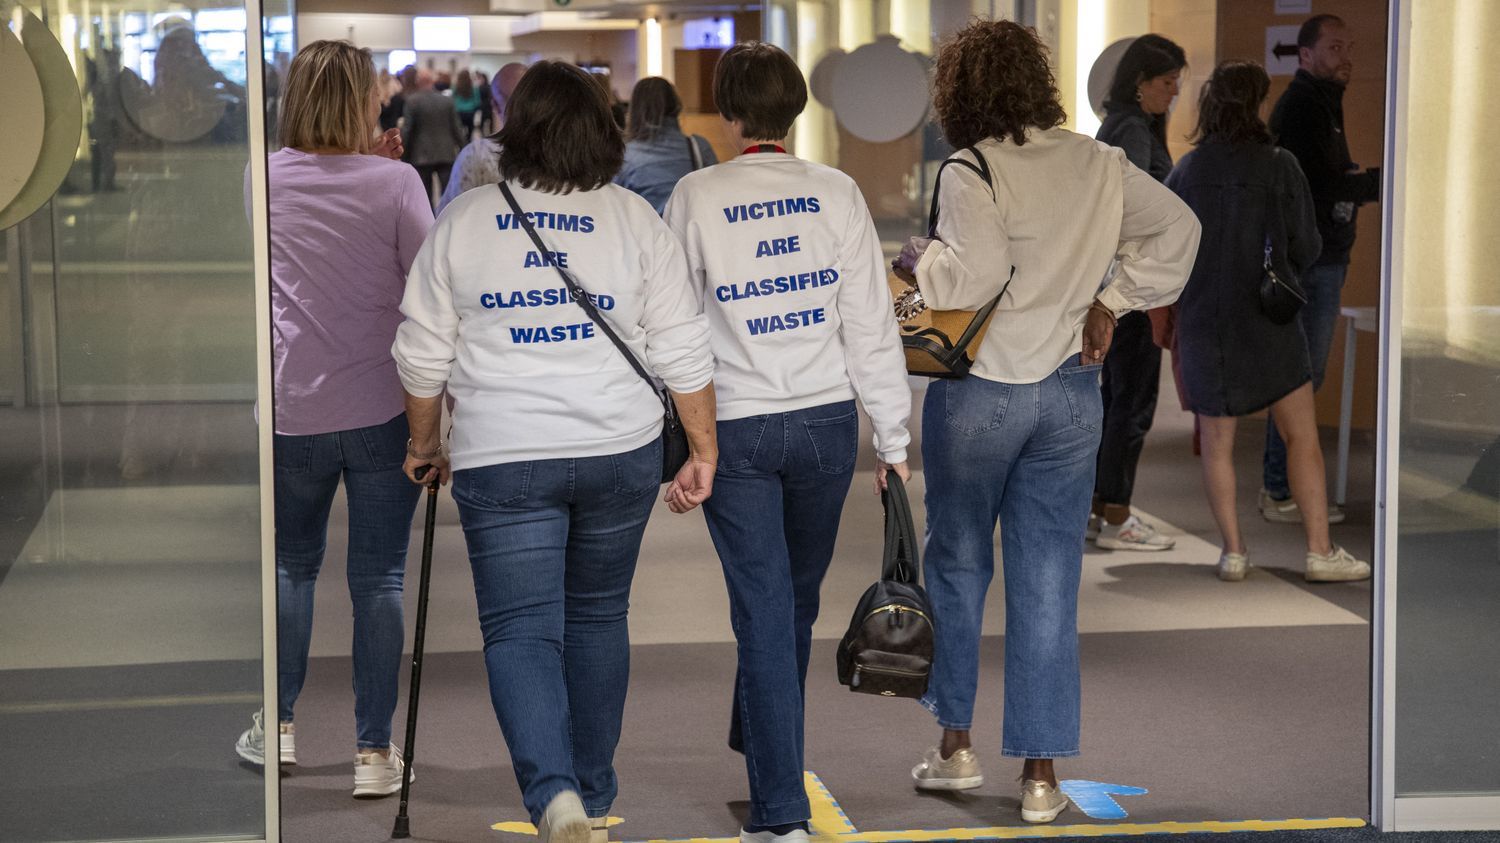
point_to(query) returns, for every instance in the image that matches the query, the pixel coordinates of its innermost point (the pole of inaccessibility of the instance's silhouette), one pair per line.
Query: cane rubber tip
(402, 829)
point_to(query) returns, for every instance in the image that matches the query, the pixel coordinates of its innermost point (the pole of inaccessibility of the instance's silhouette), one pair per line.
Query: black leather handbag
(1281, 297)
(674, 442)
(888, 648)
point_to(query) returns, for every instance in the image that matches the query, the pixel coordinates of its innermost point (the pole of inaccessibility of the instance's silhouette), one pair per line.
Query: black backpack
(888, 648)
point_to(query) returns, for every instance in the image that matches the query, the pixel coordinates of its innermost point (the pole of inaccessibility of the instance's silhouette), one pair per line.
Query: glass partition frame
(1391, 812)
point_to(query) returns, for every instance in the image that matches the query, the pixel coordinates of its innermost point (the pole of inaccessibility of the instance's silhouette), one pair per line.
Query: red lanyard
(765, 147)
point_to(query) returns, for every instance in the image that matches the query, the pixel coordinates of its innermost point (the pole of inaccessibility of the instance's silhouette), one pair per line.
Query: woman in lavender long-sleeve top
(345, 226)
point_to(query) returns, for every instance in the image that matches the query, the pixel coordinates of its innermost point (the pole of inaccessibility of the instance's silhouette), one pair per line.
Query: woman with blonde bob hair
(346, 225)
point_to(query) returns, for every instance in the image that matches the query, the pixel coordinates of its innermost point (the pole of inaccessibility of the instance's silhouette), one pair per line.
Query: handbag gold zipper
(897, 610)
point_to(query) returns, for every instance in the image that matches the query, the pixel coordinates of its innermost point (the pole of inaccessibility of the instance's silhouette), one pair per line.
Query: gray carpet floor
(1218, 725)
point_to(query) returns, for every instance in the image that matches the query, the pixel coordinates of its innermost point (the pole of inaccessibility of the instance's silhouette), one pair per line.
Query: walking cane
(403, 822)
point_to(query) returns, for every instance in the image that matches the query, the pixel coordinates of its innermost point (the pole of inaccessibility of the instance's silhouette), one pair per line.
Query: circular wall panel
(879, 91)
(62, 115)
(820, 81)
(1103, 73)
(25, 115)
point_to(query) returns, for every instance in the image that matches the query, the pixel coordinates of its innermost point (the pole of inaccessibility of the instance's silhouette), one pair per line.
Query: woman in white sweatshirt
(555, 452)
(785, 256)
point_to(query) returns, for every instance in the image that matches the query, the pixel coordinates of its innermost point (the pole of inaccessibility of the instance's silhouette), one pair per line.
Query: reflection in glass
(1448, 465)
(130, 615)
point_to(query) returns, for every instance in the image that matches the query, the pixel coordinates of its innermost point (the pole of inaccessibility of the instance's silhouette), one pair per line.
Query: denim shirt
(653, 167)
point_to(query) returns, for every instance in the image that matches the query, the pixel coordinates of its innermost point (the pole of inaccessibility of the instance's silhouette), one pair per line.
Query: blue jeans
(381, 504)
(1323, 285)
(1022, 454)
(553, 544)
(773, 517)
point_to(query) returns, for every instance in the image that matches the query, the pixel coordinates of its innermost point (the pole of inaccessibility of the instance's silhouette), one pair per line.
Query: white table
(1356, 319)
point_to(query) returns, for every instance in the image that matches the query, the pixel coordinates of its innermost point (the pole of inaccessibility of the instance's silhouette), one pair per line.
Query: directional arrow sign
(1283, 51)
(1094, 798)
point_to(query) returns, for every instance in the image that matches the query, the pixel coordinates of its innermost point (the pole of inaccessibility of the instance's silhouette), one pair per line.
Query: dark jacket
(1234, 360)
(1308, 122)
(1129, 128)
(433, 133)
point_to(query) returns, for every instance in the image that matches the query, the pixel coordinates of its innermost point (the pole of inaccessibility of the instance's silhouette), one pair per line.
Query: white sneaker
(1134, 534)
(1091, 532)
(796, 835)
(378, 775)
(564, 820)
(252, 743)
(1233, 567)
(1338, 566)
(1287, 511)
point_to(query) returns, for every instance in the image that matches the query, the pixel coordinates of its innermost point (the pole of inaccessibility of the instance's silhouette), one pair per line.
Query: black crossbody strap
(578, 295)
(978, 165)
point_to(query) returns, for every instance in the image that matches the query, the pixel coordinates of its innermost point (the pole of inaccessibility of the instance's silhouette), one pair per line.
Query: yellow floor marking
(830, 824)
(528, 828)
(1045, 831)
(827, 817)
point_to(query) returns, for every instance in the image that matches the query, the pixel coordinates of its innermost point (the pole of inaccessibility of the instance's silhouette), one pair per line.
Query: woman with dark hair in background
(1256, 206)
(1146, 81)
(1016, 440)
(556, 450)
(657, 153)
(466, 99)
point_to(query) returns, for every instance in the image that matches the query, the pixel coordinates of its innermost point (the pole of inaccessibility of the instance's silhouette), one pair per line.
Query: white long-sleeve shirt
(787, 261)
(1064, 208)
(489, 319)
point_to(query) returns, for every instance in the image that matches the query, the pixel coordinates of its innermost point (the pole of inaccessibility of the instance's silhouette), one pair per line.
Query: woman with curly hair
(1015, 441)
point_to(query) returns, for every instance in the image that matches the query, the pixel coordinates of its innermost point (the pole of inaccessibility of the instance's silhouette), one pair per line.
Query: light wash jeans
(381, 504)
(1323, 284)
(773, 517)
(553, 545)
(1022, 454)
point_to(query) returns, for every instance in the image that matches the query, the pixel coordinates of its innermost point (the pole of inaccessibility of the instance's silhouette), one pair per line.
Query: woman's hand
(905, 264)
(881, 467)
(1098, 332)
(419, 470)
(389, 145)
(692, 485)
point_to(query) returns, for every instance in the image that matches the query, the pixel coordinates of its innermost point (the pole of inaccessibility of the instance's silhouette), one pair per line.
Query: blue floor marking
(1096, 798)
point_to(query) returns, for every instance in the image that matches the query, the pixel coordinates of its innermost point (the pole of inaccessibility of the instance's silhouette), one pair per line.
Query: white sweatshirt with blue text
(489, 319)
(792, 278)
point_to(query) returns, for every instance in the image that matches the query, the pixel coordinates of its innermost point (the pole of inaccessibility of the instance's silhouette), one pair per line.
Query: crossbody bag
(674, 443)
(943, 343)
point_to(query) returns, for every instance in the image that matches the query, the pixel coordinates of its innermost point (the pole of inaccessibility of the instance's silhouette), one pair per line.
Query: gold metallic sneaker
(960, 772)
(599, 830)
(1041, 802)
(564, 821)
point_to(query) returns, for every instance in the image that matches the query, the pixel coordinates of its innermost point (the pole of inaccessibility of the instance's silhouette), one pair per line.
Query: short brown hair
(759, 85)
(993, 81)
(326, 101)
(1229, 105)
(559, 134)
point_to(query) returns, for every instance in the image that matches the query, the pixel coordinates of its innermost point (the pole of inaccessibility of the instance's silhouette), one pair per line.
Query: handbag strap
(978, 165)
(982, 168)
(901, 561)
(694, 152)
(578, 295)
